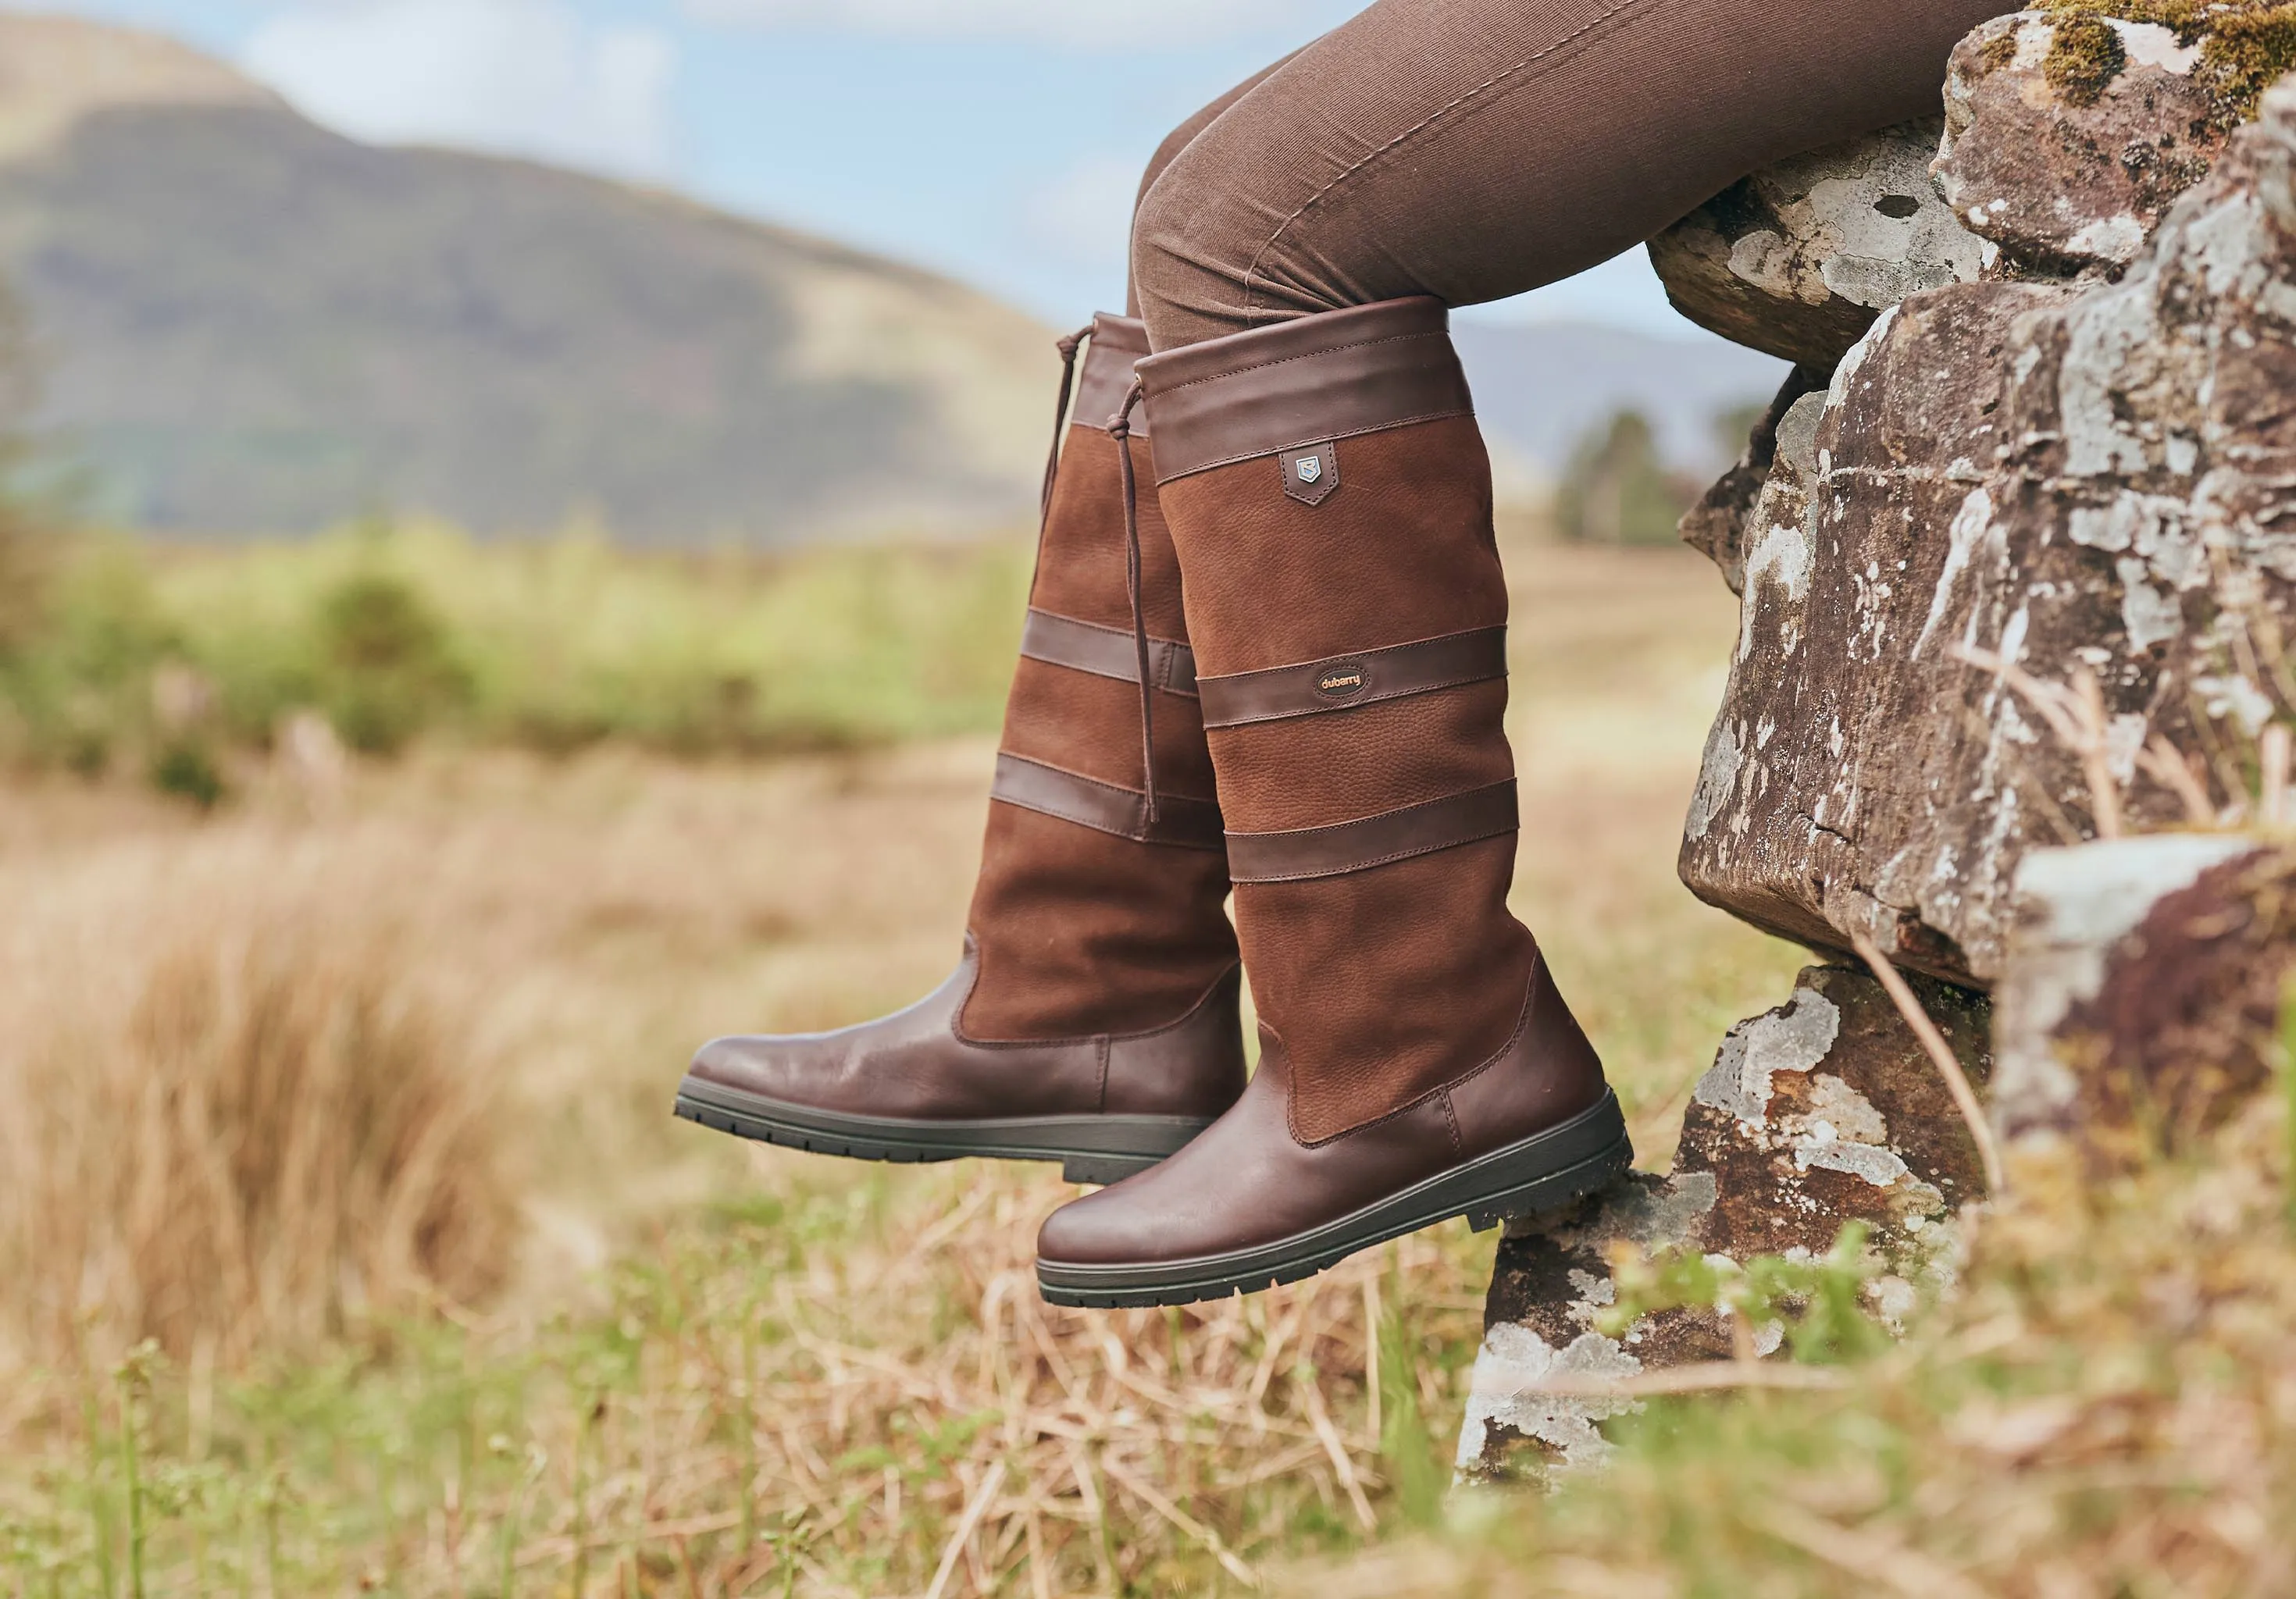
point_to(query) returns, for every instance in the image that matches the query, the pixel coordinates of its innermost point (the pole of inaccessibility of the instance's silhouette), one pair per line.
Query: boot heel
(1527, 1180)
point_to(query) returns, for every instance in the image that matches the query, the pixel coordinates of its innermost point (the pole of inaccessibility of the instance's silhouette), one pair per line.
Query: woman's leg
(1473, 149)
(1328, 496)
(1179, 139)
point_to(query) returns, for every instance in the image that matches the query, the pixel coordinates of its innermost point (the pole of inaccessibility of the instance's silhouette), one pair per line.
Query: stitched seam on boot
(1390, 698)
(1400, 422)
(1384, 860)
(1304, 356)
(1521, 1026)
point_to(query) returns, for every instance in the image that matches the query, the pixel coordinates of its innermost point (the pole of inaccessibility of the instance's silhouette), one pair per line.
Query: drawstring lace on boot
(1068, 348)
(1120, 428)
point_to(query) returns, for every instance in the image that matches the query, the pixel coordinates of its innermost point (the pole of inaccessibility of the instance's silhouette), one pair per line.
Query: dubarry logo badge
(1312, 476)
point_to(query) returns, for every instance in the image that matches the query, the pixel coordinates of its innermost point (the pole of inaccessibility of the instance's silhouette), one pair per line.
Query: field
(351, 1247)
(546, 938)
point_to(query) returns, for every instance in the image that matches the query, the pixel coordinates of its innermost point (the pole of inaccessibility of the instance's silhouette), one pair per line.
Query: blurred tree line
(1617, 488)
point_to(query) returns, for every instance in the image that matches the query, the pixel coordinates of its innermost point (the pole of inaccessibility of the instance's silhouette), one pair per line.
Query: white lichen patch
(1718, 776)
(1797, 1039)
(1971, 525)
(2119, 238)
(2107, 331)
(1514, 1363)
(2149, 616)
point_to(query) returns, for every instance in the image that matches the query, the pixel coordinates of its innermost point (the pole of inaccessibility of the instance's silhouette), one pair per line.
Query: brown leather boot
(1094, 1020)
(1330, 496)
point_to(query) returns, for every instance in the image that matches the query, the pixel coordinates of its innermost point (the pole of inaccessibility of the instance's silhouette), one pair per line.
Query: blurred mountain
(1544, 389)
(248, 325)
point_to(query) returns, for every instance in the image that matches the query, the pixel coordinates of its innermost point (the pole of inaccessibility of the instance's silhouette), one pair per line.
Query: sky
(998, 141)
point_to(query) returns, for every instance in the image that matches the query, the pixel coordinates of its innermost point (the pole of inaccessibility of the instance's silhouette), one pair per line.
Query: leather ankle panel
(1549, 1073)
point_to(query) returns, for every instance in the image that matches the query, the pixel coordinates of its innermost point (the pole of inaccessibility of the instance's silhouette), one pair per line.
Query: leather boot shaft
(1086, 921)
(1329, 498)
(1330, 501)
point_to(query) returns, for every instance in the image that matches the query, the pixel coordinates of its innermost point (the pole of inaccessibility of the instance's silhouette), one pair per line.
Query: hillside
(249, 324)
(1682, 385)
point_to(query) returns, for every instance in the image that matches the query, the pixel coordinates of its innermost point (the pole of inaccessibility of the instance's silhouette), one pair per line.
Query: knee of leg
(1186, 287)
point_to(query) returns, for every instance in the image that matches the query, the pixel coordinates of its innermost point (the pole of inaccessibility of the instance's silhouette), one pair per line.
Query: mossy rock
(2245, 47)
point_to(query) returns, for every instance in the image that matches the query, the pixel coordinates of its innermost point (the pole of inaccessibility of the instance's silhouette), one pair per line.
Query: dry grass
(858, 1346)
(238, 1133)
(2105, 1412)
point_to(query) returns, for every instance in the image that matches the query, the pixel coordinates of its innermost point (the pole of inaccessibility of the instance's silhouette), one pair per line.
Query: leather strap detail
(1344, 682)
(1395, 835)
(1117, 343)
(1107, 652)
(1184, 824)
(1312, 380)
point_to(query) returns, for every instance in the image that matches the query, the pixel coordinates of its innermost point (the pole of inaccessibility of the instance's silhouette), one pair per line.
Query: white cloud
(1084, 217)
(1084, 22)
(526, 78)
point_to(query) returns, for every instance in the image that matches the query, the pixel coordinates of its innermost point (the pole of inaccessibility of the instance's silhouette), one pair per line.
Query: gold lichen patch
(2086, 59)
(2245, 47)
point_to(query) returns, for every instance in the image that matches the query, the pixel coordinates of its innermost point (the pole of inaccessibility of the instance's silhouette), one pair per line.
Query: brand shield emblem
(1311, 468)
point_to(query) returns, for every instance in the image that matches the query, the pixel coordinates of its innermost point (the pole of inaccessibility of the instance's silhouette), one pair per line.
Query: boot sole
(1585, 1154)
(1090, 1149)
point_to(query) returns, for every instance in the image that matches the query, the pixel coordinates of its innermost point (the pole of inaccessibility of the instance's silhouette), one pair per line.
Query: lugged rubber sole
(1585, 1154)
(1090, 1149)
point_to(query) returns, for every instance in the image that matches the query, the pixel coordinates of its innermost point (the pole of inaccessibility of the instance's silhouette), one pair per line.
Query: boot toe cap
(753, 1065)
(1099, 1229)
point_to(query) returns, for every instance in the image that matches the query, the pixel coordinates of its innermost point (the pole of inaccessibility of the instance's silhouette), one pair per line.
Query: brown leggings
(1474, 149)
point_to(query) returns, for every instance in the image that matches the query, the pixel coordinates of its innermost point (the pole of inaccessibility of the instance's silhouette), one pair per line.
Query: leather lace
(1068, 347)
(1120, 428)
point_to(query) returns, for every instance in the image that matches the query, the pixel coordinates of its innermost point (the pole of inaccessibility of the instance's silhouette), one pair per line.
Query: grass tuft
(247, 1137)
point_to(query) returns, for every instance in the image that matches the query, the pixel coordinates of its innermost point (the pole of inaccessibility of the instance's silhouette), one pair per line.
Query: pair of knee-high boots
(1319, 726)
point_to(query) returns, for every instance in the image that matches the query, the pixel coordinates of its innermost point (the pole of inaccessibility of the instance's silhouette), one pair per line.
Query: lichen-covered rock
(1717, 525)
(2067, 138)
(2096, 476)
(1822, 1112)
(2143, 986)
(1800, 258)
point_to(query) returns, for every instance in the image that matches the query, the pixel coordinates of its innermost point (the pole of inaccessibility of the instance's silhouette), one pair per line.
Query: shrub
(389, 672)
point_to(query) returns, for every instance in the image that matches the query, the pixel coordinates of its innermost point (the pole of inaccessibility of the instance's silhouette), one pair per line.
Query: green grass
(398, 634)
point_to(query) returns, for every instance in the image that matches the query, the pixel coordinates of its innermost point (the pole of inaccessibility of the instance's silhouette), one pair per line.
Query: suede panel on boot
(1091, 725)
(1080, 570)
(1403, 550)
(1311, 771)
(1082, 933)
(1388, 983)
